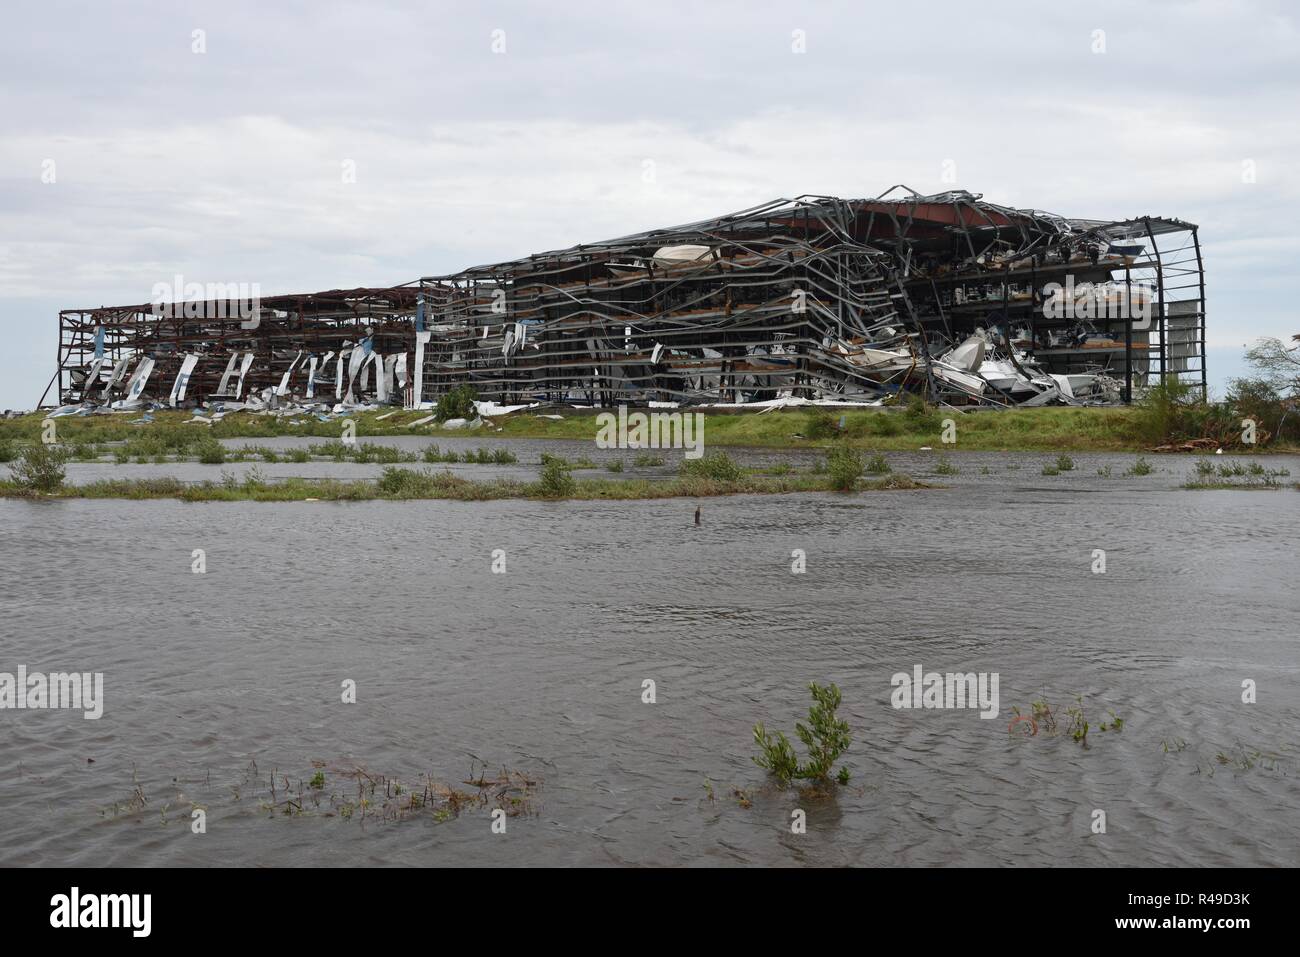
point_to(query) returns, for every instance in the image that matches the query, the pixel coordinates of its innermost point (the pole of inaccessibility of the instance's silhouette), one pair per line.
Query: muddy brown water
(542, 668)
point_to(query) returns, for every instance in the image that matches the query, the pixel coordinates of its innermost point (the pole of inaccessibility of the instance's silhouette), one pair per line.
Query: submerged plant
(40, 468)
(211, 452)
(845, 467)
(555, 480)
(825, 736)
(1042, 717)
(718, 466)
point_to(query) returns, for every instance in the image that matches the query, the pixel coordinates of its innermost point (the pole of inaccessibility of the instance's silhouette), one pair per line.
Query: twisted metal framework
(744, 315)
(812, 298)
(289, 330)
(815, 297)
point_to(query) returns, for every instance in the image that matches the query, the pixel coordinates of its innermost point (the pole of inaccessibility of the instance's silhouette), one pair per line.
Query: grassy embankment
(1046, 429)
(407, 484)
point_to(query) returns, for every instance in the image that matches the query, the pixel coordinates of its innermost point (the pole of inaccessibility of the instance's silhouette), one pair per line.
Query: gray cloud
(225, 166)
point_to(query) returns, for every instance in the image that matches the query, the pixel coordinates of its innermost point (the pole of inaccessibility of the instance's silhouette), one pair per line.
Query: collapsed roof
(815, 298)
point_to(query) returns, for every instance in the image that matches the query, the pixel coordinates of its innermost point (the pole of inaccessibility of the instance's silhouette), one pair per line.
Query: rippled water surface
(214, 681)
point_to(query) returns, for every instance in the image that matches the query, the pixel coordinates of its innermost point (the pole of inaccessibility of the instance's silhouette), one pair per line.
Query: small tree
(825, 736)
(1277, 364)
(458, 403)
(845, 467)
(40, 468)
(556, 482)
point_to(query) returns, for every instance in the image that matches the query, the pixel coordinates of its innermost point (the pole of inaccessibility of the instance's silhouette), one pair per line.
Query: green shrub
(40, 468)
(845, 467)
(374, 452)
(645, 460)
(919, 416)
(1167, 412)
(877, 465)
(1140, 467)
(1051, 470)
(395, 481)
(825, 736)
(335, 450)
(821, 424)
(299, 455)
(614, 466)
(1064, 463)
(554, 478)
(945, 467)
(458, 403)
(886, 423)
(1257, 399)
(7, 451)
(718, 466)
(211, 452)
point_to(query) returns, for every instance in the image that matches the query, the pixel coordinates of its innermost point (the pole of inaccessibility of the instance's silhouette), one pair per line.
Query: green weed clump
(844, 465)
(821, 424)
(40, 468)
(718, 466)
(458, 403)
(825, 736)
(338, 451)
(554, 479)
(211, 452)
(1220, 475)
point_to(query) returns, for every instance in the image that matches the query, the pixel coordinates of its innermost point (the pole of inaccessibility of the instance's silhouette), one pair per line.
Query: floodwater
(214, 682)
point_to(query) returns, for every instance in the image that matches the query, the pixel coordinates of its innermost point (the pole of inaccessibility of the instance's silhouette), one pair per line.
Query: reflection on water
(541, 669)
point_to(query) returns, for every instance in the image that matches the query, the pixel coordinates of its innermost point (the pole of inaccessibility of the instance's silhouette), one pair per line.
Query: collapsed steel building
(229, 349)
(816, 298)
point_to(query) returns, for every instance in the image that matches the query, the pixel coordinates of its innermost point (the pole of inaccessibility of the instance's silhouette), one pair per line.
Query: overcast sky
(480, 132)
